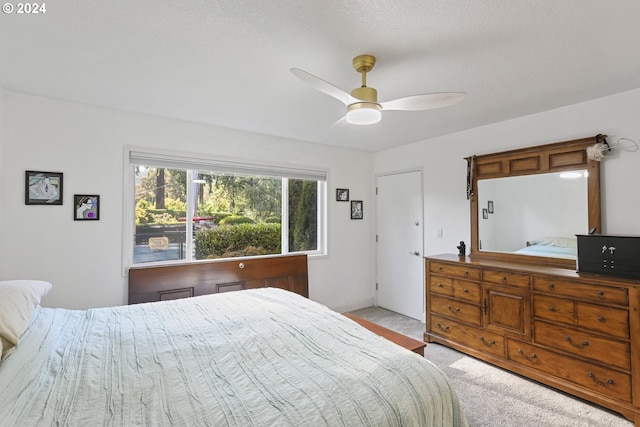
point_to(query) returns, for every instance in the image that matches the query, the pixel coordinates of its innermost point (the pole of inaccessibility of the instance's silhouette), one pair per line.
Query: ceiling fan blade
(323, 86)
(340, 122)
(426, 101)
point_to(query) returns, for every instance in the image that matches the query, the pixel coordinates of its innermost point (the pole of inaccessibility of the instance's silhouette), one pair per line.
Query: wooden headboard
(159, 283)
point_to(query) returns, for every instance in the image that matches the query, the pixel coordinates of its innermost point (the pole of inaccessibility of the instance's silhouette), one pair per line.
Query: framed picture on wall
(86, 207)
(342, 194)
(43, 188)
(356, 209)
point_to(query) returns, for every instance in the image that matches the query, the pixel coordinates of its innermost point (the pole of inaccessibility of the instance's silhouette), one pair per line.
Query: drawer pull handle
(580, 346)
(529, 358)
(466, 273)
(601, 294)
(439, 268)
(440, 285)
(465, 290)
(600, 319)
(443, 327)
(456, 311)
(597, 381)
(504, 278)
(552, 309)
(552, 287)
(487, 343)
(241, 265)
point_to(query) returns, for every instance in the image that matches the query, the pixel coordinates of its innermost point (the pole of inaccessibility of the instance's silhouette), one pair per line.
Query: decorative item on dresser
(529, 311)
(579, 333)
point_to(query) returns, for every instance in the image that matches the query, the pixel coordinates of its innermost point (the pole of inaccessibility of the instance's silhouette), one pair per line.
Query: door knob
(416, 253)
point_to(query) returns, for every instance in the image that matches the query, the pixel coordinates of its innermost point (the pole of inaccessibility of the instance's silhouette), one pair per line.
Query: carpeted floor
(493, 397)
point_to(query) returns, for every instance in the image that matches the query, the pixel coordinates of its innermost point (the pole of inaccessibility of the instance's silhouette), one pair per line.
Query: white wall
(2, 165)
(442, 158)
(83, 259)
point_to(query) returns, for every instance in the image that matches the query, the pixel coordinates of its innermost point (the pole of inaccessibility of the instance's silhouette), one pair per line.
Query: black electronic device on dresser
(609, 255)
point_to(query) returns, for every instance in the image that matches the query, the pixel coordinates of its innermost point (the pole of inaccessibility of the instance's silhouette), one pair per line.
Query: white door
(399, 236)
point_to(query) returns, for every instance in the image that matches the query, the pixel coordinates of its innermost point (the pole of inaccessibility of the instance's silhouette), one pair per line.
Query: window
(186, 208)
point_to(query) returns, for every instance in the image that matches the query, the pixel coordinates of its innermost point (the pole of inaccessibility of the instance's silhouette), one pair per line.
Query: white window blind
(187, 161)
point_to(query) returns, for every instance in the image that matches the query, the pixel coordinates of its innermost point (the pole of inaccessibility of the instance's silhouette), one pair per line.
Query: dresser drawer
(608, 382)
(608, 351)
(441, 285)
(454, 309)
(507, 278)
(460, 289)
(460, 271)
(554, 309)
(608, 320)
(468, 336)
(580, 290)
(599, 318)
(467, 291)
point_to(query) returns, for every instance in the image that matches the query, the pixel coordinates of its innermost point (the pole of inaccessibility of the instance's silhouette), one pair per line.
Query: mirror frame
(556, 157)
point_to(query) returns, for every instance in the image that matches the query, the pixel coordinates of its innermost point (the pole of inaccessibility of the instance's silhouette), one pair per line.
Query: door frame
(420, 170)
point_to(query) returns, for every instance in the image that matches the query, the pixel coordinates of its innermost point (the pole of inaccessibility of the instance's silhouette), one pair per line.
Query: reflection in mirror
(535, 215)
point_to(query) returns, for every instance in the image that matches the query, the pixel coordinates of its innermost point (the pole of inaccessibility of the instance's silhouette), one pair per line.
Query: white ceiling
(226, 62)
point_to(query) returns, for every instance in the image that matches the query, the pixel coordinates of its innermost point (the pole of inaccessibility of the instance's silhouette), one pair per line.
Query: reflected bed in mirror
(522, 211)
(536, 215)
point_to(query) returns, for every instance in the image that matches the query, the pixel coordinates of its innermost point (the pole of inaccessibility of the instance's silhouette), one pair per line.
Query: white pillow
(563, 242)
(18, 300)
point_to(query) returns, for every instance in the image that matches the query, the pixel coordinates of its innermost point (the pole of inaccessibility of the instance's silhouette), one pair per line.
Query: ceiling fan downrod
(363, 64)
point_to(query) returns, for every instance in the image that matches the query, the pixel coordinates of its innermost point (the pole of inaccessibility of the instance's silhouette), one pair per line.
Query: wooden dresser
(579, 333)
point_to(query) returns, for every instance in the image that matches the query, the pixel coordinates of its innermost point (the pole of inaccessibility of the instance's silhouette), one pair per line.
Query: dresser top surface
(532, 268)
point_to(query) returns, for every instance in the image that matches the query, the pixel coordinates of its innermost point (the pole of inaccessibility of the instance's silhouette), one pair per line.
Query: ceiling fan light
(363, 113)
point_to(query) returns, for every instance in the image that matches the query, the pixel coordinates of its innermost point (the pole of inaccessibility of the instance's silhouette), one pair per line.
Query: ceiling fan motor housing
(366, 112)
(365, 93)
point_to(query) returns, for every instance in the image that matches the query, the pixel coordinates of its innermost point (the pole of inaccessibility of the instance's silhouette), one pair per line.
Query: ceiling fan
(362, 104)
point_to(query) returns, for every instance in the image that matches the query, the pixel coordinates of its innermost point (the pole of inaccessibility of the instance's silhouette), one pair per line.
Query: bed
(263, 357)
(553, 247)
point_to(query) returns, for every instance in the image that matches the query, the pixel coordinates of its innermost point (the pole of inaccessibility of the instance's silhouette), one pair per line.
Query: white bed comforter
(262, 357)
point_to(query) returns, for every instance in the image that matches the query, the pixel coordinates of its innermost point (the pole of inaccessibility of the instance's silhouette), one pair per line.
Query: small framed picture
(485, 214)
(342, 194)
(356, 209)
(490, 206)
(43, 188)
(86, 207)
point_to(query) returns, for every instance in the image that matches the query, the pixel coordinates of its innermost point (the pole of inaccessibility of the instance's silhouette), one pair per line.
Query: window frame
(190, 161)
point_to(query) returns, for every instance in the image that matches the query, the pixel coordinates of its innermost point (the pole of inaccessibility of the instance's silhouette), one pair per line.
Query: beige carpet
(493, 397)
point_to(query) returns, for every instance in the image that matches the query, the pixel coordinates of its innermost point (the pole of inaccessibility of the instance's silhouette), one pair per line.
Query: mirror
(522, 210)
(517, 217)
